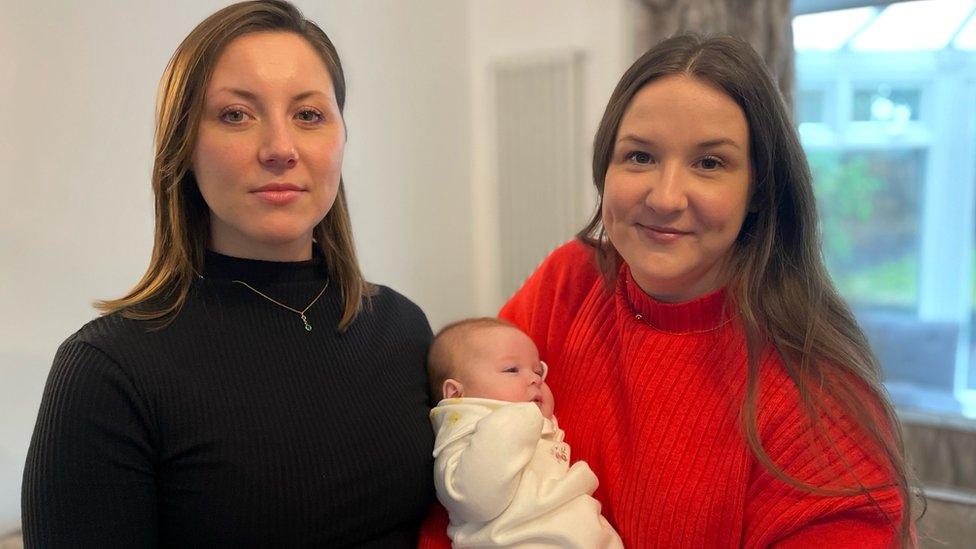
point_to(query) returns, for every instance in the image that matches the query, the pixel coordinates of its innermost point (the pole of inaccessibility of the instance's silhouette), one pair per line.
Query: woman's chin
(278, 245)
(282, 234)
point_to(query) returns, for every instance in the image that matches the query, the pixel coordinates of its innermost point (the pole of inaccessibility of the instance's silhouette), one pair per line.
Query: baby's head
(488, 358)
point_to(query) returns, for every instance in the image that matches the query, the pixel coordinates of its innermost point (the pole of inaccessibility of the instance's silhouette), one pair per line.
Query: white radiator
(539, 110)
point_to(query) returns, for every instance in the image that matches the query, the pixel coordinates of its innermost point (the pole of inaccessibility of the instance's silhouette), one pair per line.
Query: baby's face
(505, 366)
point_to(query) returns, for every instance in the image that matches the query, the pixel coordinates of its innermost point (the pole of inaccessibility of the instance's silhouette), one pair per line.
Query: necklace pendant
(308, 327)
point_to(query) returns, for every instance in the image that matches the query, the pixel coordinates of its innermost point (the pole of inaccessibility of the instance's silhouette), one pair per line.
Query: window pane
(966, 39)
(830, 30)
(810, 106)
(885, 104)
(919, 25)
(868, 203)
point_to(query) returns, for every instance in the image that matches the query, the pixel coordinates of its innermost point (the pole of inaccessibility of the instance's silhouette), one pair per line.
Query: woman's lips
(663, 235)
(278, 194)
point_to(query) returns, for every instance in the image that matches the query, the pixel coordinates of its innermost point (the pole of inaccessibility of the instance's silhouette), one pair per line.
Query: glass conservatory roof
(917, 25)
(966, 39)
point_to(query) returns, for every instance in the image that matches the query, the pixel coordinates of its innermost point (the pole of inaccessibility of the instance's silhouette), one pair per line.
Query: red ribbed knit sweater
(652, 403)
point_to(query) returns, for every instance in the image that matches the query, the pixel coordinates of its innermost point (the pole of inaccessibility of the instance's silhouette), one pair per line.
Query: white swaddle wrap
(502, 471)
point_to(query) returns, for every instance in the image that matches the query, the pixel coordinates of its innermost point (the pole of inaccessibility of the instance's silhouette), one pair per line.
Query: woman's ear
(452, 389)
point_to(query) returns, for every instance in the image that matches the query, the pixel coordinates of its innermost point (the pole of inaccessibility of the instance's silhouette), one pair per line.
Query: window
(810, 106)
(886, 110)
(868, 202)
(881, 103)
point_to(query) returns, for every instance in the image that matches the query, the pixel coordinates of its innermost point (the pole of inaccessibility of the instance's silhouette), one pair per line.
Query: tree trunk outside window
(766, 24)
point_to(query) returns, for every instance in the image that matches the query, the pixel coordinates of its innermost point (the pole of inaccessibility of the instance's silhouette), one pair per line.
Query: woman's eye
(234, 117)
(639, 157)
(309, 115)
(710, 163)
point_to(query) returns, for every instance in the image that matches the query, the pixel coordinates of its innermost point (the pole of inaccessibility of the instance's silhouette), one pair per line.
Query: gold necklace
(308, 327)
(640, 318)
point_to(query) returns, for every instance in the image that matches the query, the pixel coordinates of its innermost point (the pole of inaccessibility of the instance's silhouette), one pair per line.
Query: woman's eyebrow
(635, 139)
(718, 142)
(251, 96)
(239, 92)
(309, 93)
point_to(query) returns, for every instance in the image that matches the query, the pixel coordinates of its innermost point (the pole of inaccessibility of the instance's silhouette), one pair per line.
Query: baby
(501, 467)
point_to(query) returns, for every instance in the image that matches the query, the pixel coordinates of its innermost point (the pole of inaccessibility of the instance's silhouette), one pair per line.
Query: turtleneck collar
(702, 314)
(224, 267)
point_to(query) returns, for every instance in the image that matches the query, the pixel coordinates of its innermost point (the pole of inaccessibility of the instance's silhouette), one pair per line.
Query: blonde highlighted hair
(182, 218)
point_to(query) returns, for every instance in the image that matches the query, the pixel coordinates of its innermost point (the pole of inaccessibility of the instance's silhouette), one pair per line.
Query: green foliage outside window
(848, 194)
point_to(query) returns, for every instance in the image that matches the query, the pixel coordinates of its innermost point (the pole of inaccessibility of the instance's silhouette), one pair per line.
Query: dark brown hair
(182, 221)
(779, 284)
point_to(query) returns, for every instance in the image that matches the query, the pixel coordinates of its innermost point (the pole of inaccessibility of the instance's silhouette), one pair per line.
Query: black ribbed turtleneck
(234, 426)
(225, 267)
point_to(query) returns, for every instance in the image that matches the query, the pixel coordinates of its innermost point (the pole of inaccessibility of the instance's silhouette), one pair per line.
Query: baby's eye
(511, 370)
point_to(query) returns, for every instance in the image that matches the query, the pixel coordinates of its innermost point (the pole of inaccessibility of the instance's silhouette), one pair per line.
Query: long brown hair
(182, 227)
(778, 282)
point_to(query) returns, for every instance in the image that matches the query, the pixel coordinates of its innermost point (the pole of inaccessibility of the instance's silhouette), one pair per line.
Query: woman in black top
(252, 389)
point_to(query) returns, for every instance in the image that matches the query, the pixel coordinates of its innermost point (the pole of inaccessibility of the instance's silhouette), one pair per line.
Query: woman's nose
(278, 149)
(666, 192)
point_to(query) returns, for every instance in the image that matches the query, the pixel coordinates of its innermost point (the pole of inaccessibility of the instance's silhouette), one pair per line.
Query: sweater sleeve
(477, 476)
(834, 455)
(89, 478)
(545, 305)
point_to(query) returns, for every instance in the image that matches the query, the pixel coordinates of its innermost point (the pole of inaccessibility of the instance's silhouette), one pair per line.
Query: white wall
(407, 167)
(76, 103)
(75, 219)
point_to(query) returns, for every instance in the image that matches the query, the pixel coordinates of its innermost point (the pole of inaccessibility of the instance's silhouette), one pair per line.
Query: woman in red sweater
(704, 365)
